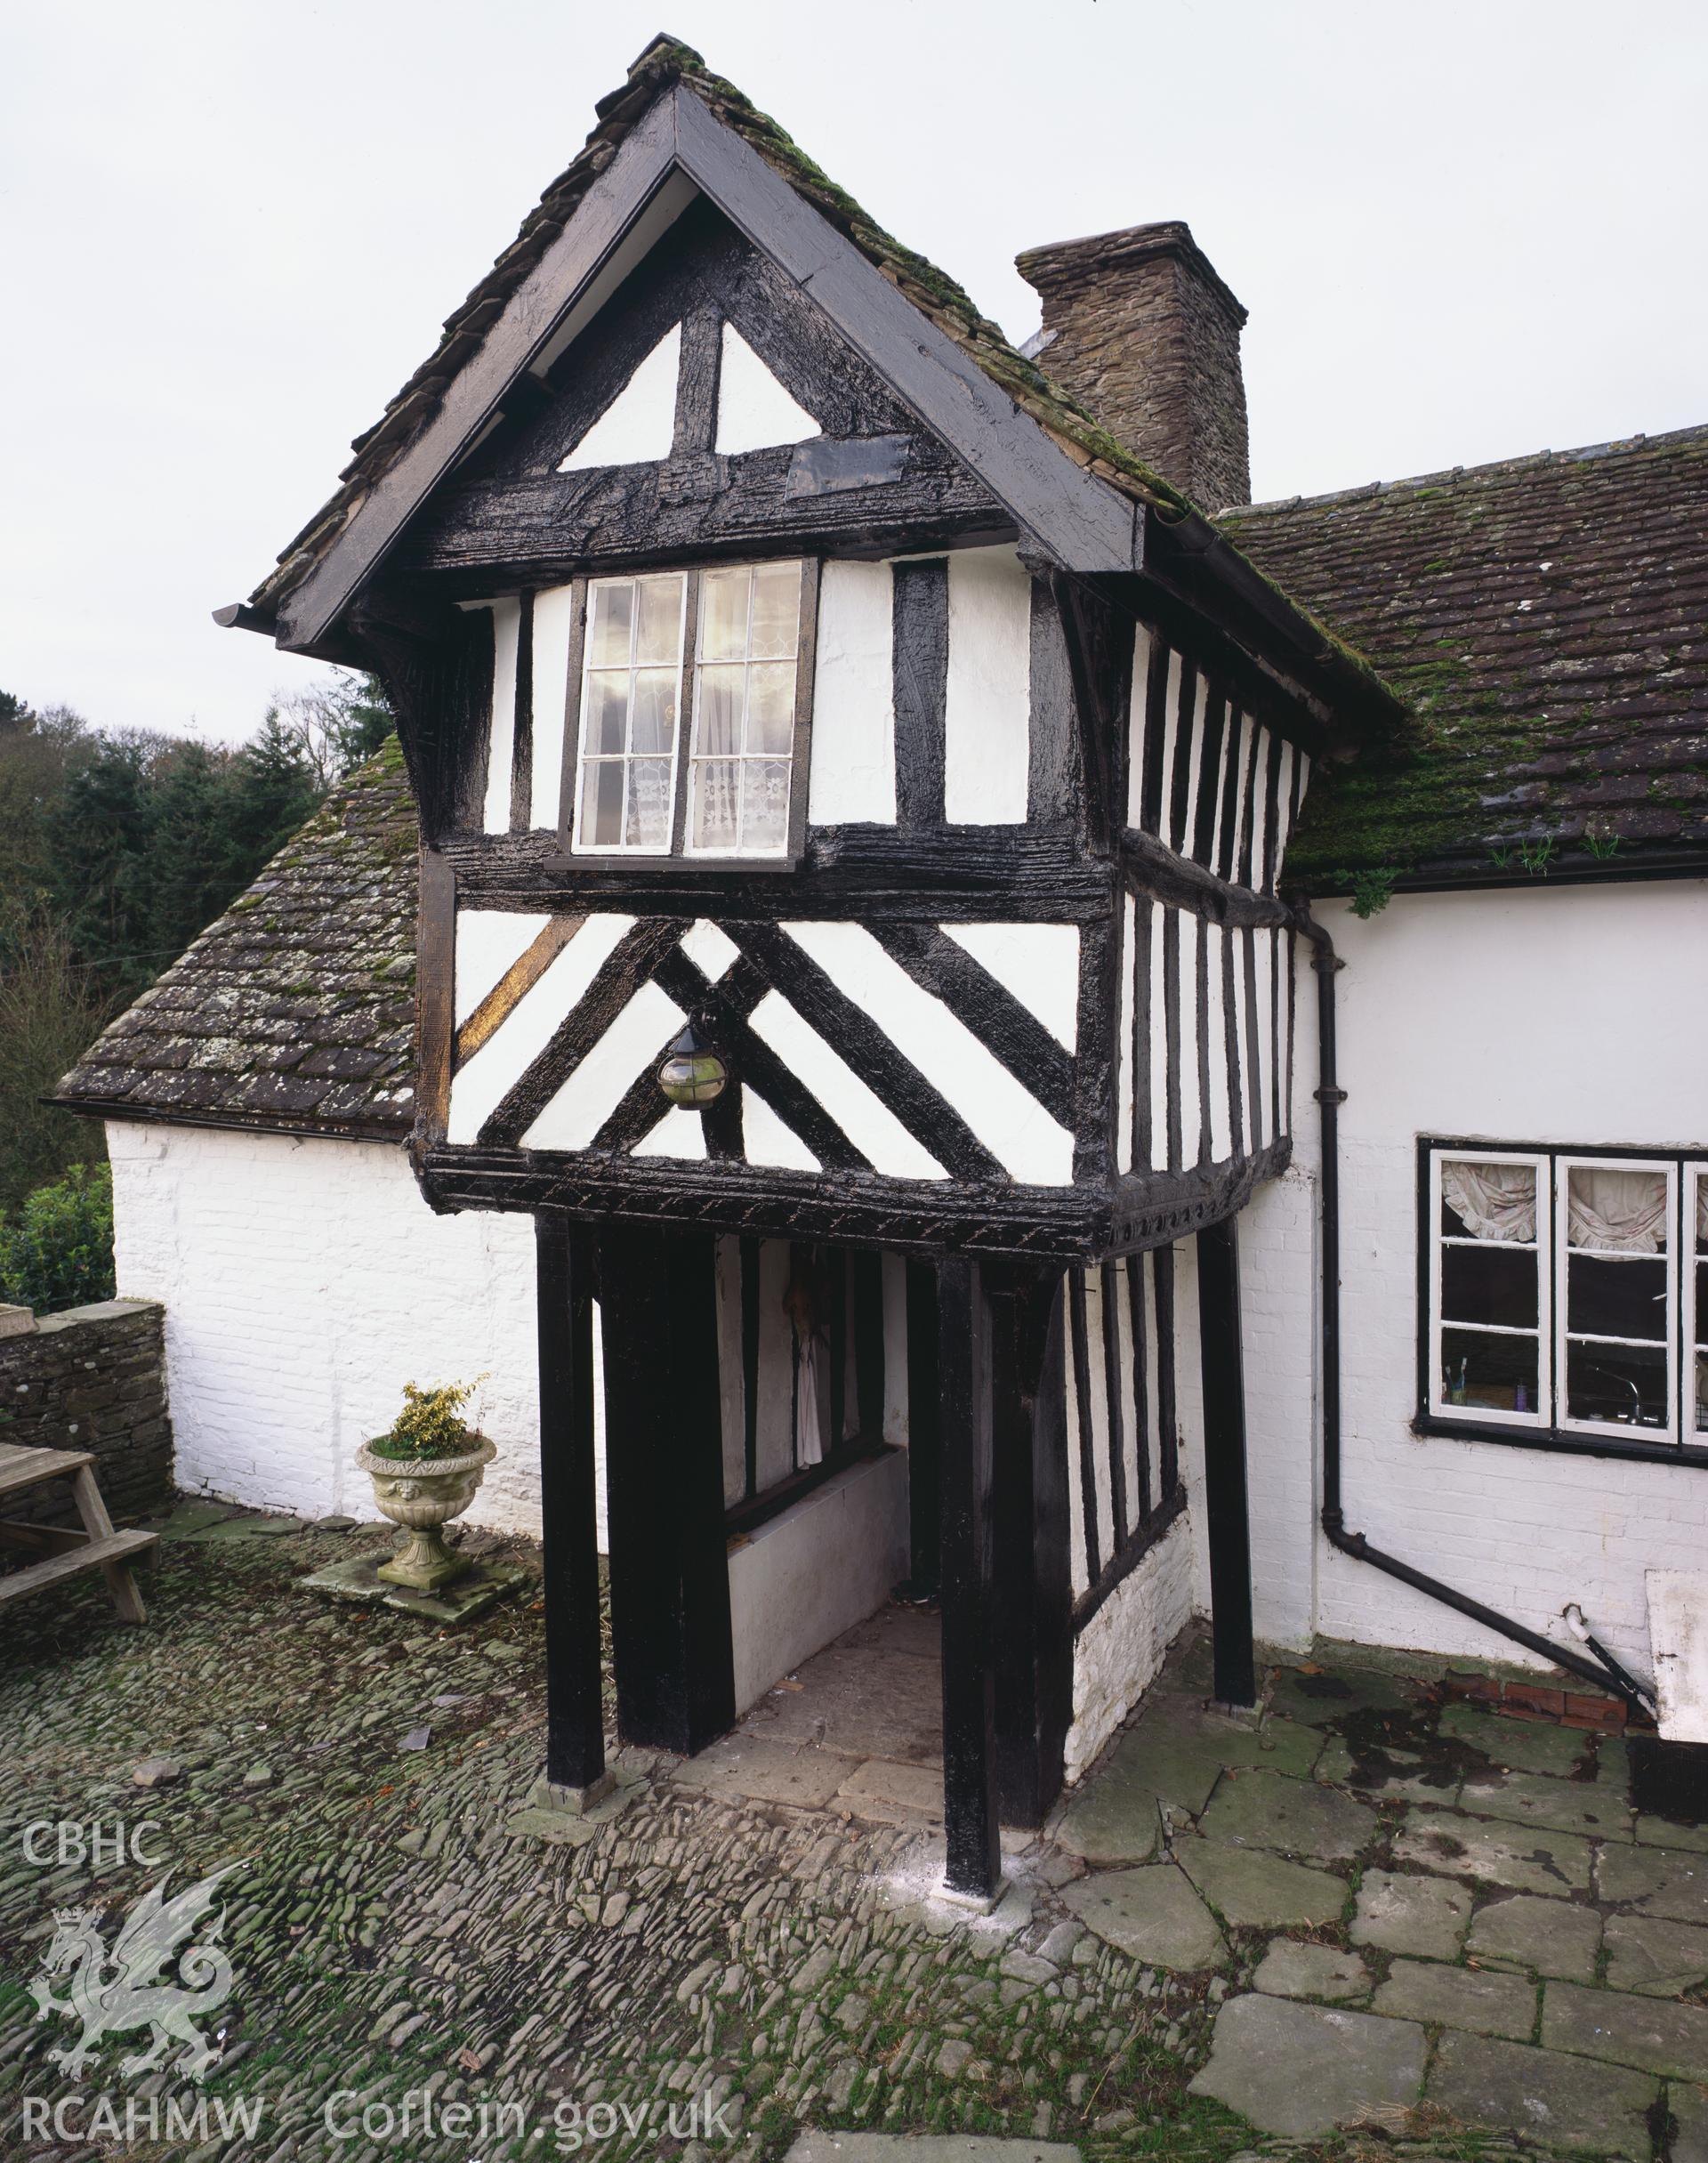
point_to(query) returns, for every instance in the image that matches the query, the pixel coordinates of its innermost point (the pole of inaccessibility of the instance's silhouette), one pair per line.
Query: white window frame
(1564, 1167)
(696, 759)
(676, 848)
(627, 758)
(1542, 1415)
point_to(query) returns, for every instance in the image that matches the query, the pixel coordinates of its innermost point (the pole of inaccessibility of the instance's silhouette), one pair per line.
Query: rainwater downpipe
(1330, 1096)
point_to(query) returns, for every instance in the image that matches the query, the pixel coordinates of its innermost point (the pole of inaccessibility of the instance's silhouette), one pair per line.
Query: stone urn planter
(425, 1472)
(422, 1495)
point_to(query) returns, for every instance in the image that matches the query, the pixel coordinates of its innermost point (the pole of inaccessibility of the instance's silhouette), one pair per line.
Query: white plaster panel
(1038, 963)
(1191, 931)
(481, 1087)
(852, 776)
(1158, 1044)
(1241, 789)
(766, 1139)
(304, 1283)
(1030, 1145)
(501, 732)
(488, 942)
(1170, 728)
(679, 1133)
(553, 616)
(1258, 812)
(987, 700)
(815, 1570)
(1217, 1021)
(1123, 1091)
(863, 1118)
(1261, 1054)
(1138, 713)
(710, 949)
(1197, 777)
(575, 1114)
(753, 409)
(640, 425)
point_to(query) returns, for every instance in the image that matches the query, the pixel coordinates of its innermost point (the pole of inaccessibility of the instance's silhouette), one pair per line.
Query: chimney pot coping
(1070, 261)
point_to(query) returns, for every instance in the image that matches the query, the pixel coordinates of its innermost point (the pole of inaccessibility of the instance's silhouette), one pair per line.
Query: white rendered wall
(817, 1570)
(304, 1282)
(1559, 1015)
(1121, 1649)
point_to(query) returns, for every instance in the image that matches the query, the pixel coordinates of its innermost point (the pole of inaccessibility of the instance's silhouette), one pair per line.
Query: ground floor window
(1565, 1292)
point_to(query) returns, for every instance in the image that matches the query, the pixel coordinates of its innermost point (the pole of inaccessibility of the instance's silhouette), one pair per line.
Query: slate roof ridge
(1523, 462)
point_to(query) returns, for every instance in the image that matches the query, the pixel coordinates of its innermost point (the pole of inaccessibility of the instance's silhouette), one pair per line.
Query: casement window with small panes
(1557, 1298)
(693, 704)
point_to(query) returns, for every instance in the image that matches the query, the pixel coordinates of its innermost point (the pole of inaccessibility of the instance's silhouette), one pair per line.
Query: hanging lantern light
(693, 1074)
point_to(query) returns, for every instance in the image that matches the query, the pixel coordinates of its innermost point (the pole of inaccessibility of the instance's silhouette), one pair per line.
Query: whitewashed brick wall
(1562, 1016)
(304, 1282)
(1119, 1651)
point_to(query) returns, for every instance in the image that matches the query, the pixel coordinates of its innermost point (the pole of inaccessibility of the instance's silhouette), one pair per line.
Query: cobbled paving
(699, 1978)
(391, 1939)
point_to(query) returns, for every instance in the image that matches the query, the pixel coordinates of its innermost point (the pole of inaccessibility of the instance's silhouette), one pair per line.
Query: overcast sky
(229, 231)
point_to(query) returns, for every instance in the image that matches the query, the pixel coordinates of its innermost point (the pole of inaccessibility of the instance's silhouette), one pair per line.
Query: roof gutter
(238, 615)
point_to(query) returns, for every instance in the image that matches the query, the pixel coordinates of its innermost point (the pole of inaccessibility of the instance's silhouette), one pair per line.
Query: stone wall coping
(102, 1310)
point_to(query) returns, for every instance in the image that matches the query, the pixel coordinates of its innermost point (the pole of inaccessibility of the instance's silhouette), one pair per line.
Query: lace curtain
(1609, 1211)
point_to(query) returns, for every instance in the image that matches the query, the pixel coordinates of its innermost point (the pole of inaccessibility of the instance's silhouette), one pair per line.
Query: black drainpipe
(1330, 1097)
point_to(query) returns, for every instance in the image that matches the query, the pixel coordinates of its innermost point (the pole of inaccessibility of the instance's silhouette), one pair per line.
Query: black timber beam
(857, 872)
(970, 1791)
(671, 1646)
(1032, 1625)
(1225, 1506)
(992, 1218)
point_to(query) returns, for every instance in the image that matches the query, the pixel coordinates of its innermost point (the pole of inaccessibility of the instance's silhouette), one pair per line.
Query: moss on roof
(1543, 615)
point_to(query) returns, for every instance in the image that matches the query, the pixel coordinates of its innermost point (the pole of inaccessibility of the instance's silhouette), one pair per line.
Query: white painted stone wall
(801, 1579)
(1119, 1653)
(1559, 1015)
(304, 1282)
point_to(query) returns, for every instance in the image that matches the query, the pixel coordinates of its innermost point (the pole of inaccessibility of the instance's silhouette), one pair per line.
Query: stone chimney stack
(1142, 332)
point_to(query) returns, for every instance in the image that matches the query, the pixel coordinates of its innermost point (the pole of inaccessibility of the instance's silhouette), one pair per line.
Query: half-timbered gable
(854, 792)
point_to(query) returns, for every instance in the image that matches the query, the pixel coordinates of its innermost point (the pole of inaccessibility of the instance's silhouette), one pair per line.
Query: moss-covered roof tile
(1547, 618)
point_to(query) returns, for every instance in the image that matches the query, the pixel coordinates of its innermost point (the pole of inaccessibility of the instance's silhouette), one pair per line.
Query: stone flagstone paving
(1359, 1924)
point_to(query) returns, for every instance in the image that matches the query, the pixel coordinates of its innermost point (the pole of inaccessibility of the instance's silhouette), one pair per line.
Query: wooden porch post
(1224, 1464)
(1032, 1627)
(969, 1674)
(670, 1644)
(575, 1724)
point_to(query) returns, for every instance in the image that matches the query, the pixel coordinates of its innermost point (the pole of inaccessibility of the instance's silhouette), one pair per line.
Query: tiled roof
(1546, 618)
(296, 1009)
